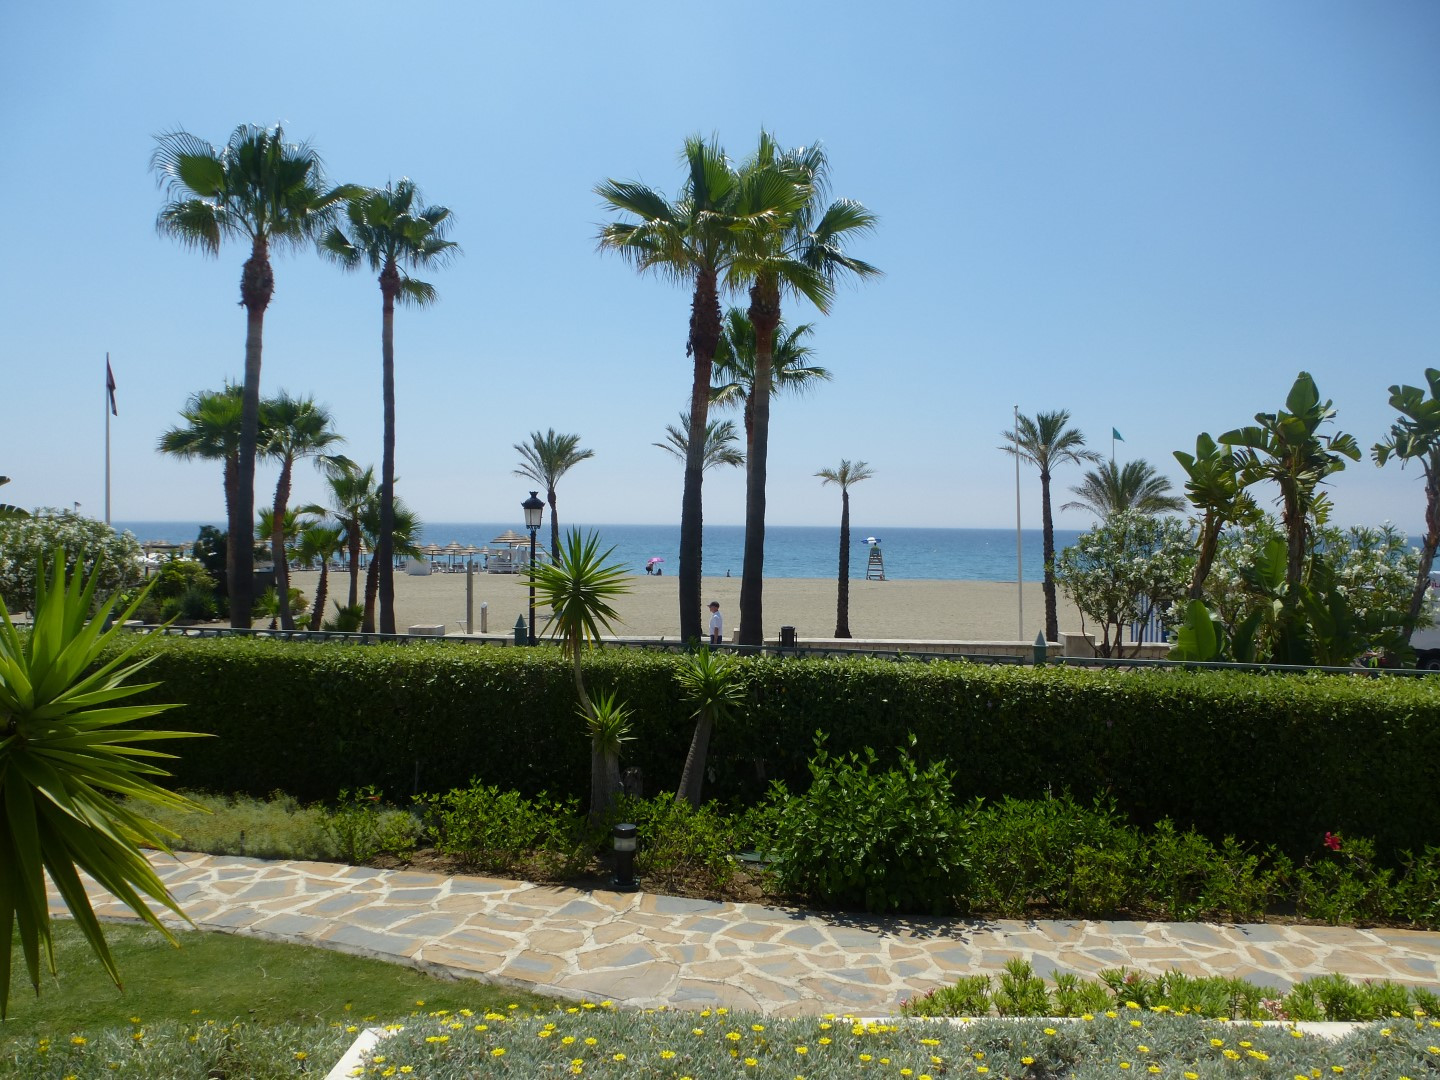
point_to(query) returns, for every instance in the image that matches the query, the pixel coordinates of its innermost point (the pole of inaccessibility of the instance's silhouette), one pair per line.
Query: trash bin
(787, 637)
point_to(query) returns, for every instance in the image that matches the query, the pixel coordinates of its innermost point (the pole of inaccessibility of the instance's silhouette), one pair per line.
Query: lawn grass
(225, 977)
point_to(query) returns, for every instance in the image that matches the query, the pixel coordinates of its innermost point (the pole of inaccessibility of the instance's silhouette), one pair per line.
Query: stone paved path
(641, 949)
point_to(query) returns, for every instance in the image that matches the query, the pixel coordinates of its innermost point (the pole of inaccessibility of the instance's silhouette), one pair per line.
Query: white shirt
(717, 624)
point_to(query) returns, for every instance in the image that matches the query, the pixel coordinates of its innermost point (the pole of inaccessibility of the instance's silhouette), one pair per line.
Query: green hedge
(1275, 758)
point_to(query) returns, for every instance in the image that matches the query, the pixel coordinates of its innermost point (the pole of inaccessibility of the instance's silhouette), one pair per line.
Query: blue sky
(1153, 215)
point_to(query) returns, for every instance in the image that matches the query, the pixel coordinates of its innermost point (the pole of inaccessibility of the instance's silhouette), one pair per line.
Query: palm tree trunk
(277, 544)
(1047, 519)
(842, 592)
(372, 586)
(704, 337)
(765, 317)
(321, 589)
(352, 550)
(257, 285)
(692, 777)
(385, 542)
(1429, 545)
(554, 526)
(231, 484)
(1209, 538)
(1294, 521)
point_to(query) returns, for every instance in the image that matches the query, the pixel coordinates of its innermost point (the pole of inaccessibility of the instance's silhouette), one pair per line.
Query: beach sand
(879, 610)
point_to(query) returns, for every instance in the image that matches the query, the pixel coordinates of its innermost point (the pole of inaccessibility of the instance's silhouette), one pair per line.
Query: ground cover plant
(596, 1041)
(257, 1008)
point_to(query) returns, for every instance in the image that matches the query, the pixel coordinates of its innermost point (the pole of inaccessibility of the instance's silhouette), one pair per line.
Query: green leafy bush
(500, 831)
(680, 845)
(113, 560)
(361, 827)
(881, 841)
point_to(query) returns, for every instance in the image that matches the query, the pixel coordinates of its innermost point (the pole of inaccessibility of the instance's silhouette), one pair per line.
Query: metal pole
(532, 585)
(469, 597)
(1019, 557)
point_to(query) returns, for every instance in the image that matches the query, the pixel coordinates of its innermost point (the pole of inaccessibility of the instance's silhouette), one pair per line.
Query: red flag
(110, 386)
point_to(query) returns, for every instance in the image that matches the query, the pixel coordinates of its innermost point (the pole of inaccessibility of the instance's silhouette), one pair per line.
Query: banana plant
(63, 756)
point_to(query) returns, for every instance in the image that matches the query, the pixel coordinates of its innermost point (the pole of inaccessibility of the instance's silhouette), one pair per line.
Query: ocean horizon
(791, 551)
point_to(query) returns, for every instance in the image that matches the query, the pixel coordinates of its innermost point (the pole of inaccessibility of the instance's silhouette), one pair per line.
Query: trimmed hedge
(1266, 758)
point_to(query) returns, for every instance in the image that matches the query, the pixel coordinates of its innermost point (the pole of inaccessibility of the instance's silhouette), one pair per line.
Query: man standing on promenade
(717, 622)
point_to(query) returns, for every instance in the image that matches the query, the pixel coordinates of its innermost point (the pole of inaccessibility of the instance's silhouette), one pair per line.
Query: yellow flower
(866, 1057)
(1027, 1061)
(301, 1055)
(617, 1057)
(482, 1027)
(667, 1054)
(906, 1072)
(407, 1069)
(1153, 1069)
(757, 1027)
(567, 1040)
(1124, 1065)
(1297, 1033)
(826, 1027)
(1134, 1023)
(590, 1041)
(802, 1049)
(1192, 1076)
(981, 1069)
(78, 1040)
(351, 1029)
(1245, 1044)
(697, 1031)
(1142, 1048)
(824, 1040)
(1217, 1042)
(751, 1063)
(1233, 1055)
(722, 1011)
(1111, 1013)
(733, 1036)
(929, 1042)
(1087, 1017)
(1132, 1004)
(544, 1033)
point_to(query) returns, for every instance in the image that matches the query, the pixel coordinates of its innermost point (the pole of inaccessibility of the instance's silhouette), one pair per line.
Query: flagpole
(109, 397)
(1019, 558)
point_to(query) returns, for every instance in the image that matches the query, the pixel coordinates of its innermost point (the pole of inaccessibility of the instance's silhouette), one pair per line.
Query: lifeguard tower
(875, 568)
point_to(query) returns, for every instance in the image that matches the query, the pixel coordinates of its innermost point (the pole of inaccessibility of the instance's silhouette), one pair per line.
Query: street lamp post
(534, 512)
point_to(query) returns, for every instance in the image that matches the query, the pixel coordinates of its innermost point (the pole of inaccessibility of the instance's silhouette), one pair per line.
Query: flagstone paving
(643, 949)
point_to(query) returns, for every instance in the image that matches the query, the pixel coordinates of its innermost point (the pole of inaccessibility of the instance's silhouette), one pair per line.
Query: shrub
(361, 827)
(500, 831)
(881, 841)
(113, 560)
(680, 845)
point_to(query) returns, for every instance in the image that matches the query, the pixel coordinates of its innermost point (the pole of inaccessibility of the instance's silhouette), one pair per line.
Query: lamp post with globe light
(534, 511)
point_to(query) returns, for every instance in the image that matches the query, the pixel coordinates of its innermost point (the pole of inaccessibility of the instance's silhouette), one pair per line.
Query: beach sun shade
(655, 559)
(872, 539)
(510, 536)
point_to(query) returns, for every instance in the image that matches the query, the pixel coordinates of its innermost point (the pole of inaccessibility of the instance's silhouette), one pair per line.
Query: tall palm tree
(546, 458)
(690, 241)
(1046, 442)
(212, 432)
(1286, 448)
(352, 495)
(1133, 486)
(733, 378)
(719, 442)
(788, 241)
(295, 428)
(1214, 488)
(256, 188)
(1415, 436)
(391, 231)
(849, 472)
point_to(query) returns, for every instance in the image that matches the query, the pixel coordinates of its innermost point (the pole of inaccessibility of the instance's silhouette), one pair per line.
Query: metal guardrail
(1038, 658)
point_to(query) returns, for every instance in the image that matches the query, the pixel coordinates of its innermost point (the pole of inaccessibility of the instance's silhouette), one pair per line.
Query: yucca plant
(62, 755)
(578, 588)
(711, 683)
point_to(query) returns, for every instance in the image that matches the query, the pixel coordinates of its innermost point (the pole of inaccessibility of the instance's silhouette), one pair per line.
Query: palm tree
(849, 472)
(405, 535)
(1046, 443)
(1415, 436)
(786, 243)
(212, 432)
(1133, 486)
(392, 232)
(1286, 448)
(733, 378)
(352, 495)
(719, 442)
(690, 241)
(323, 542)
(6, 509)
(1215, 490)
(547, 458)
(578, 587)
(295, 428)
(256, 188)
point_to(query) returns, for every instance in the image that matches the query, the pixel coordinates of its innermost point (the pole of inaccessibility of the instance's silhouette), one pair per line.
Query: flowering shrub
(115, 560)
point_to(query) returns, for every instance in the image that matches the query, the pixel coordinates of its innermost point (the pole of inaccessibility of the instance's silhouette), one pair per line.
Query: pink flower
(1332, 841)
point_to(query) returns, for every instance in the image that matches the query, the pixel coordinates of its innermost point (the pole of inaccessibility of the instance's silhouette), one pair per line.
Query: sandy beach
(886, 610)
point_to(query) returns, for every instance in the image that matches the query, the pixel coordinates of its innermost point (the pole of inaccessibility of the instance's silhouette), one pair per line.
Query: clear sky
(1151, 214)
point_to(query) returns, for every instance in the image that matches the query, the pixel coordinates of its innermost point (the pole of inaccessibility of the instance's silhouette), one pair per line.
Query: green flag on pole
(1116, 435)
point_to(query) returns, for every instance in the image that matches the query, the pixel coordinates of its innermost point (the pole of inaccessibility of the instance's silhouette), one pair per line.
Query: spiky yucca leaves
(579, 588)
(62, 755)
(711, 683)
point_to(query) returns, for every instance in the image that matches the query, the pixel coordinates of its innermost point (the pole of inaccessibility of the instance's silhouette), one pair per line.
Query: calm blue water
(791, 551)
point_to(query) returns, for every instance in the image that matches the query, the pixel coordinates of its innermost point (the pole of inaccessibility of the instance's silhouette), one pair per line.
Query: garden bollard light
(624, 841)
(484, 617)
(521, 635)
(1040, 650)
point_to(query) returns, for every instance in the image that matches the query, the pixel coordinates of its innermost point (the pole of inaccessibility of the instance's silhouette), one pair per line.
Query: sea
(791, 551)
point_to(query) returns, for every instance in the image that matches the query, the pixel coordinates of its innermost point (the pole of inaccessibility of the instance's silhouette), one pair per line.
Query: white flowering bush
(1124, 570)
(113, 559)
